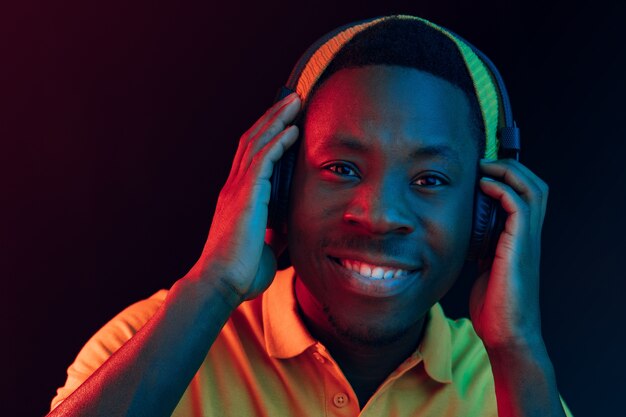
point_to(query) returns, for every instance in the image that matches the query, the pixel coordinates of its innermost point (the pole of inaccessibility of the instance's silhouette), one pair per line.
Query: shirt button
(318, 357)
(340, 400)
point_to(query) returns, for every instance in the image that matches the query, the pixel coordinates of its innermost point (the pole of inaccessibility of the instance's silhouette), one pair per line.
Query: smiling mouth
(373, 272)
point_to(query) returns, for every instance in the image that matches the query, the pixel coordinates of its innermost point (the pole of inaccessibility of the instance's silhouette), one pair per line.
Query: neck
(368, 362)
(365, 365)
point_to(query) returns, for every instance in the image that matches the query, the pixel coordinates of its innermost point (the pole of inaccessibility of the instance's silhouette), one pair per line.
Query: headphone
(489, 217)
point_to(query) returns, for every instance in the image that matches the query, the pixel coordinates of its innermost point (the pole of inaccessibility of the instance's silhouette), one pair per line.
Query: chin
(368, 329)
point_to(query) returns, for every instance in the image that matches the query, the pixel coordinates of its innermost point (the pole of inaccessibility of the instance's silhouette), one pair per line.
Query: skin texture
(377, 205)
(380, 206)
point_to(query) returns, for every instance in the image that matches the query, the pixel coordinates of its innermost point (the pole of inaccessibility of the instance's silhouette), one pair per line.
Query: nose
(380, 207)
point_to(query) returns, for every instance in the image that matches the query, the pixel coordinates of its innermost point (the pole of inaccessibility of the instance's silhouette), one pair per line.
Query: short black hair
(408, 43)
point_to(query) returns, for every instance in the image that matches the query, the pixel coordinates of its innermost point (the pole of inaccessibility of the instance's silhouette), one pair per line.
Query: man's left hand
(504, 302)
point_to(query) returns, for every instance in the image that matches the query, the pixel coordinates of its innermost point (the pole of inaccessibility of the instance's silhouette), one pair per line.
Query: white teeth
(378, 272)
(372, 271)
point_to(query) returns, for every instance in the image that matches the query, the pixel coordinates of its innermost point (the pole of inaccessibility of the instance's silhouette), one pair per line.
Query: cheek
(311, 205)
(304, 216)
(449, 234)
(306, 234)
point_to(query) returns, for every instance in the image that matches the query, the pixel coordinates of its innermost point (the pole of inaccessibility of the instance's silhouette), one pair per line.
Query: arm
(525, 382)
(148, 375)
(504, 303)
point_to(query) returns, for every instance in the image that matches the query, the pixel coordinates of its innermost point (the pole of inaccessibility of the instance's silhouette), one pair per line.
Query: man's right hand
(235, 265)
(235, 253)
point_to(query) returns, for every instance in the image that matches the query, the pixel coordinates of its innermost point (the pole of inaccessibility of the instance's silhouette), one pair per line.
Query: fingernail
(488, 179)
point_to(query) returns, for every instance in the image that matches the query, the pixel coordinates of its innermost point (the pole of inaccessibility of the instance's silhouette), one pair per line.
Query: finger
(269, 114)
(526, 183)
(276, 126)
(518, 212)
(542, 186)
(250, 133)
(520, 237)
(263, 161)
(513, 173)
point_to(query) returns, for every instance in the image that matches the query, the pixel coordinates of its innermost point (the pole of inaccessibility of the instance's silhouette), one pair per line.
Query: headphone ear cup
(280, 180)
(279, 197)
(486, 227)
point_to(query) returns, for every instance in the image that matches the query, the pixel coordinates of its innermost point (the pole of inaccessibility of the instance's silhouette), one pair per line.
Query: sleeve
(106, 341)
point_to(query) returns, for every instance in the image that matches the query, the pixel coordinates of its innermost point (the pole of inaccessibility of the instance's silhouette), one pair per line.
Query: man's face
(385, 175)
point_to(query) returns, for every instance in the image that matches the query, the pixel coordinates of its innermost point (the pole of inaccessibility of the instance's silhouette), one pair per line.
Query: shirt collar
(286, 335)
(436, 346)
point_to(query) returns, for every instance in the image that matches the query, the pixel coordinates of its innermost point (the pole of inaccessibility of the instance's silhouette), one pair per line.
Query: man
(378, 229)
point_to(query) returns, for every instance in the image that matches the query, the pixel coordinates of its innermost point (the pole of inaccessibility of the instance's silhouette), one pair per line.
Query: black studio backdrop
(120, 121)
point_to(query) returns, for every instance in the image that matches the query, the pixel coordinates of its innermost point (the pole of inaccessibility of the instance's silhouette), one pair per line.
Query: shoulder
(471, 368)
(107, 340)
(467, 347)
(463, 336)
(125, 324)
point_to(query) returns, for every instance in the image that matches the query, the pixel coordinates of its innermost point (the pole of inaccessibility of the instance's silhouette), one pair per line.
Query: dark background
(119, 123)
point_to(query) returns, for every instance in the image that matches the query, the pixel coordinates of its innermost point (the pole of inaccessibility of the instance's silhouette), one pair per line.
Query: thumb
(264, 274)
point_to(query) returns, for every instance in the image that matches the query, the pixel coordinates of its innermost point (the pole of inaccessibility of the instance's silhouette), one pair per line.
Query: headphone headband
(501, 133)
(502, 139)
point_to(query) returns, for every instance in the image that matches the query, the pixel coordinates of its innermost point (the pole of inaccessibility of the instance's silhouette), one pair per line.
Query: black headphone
(489, 217)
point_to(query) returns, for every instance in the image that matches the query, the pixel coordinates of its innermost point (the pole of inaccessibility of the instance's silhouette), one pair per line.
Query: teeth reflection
(365, 270)
(373, 272)
(378, 272)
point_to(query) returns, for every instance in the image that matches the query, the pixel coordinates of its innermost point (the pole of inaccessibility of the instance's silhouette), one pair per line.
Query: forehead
(389, 109)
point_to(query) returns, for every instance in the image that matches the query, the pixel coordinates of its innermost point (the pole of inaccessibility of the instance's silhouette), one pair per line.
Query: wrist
(209, 288)
(529, 350)
(525, 382)
(514, 339)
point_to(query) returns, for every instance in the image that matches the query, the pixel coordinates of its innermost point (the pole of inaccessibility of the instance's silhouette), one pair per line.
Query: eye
(342, 169)
(430, 181)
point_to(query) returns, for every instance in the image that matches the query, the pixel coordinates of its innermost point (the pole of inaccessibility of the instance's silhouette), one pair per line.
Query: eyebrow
(443, 152)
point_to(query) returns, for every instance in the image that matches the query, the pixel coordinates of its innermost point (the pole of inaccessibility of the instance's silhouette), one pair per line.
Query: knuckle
(273, 131)
(245, 134)
(249, 147)
(542, 190)
(277, 123)
(244, 140)
(267, 134)
(257, 159)
(525, 210)
(537, 191)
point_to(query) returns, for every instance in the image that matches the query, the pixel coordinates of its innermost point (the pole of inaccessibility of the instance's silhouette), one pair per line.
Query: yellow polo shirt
(265, 363)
